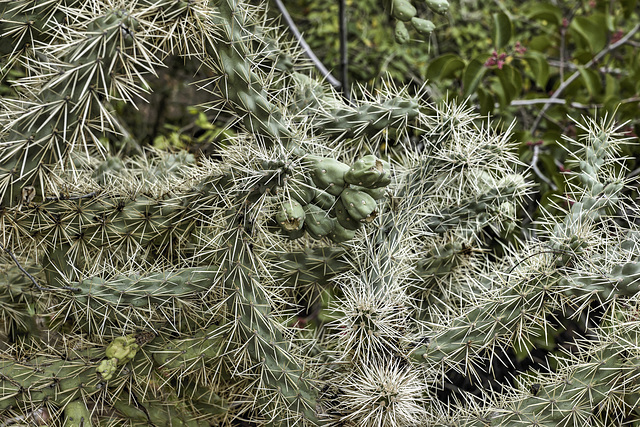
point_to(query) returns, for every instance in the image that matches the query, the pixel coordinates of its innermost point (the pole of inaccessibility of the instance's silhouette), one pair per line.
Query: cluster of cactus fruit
(406, 13)
(342, 200)
(172, 290)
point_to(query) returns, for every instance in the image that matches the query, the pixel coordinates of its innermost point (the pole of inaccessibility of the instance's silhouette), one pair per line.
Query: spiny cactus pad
(288, 278)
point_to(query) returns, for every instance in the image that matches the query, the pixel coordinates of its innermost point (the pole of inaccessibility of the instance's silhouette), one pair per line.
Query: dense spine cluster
(331, 264)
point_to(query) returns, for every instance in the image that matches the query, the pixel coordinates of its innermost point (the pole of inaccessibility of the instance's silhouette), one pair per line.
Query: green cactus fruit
(359, 205)
(291, 216)
(341, 234)
(123, 349)
(328, 174)
(366, 172)
(375, 193)
(438, 6)
(422, 26)
(401, 33)
(324, 200)
(403, 10)
(344, 219)
(385, 176)
(317, 222)
(107, 368)
(302, 191)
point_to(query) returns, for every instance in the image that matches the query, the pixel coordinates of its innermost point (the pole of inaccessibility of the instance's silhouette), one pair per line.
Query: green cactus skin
(564, 402)
(202, 349)
(324, 200)
(311, 266)
(375, 193)
(291, 216)
(369, 119)
(401, 33)
(135, 301)
(302, 192)
(15, 303)
(341, 234)
(438, 6)
(257, 336)
(422, 26)
(344, 219)
(45, 144)
(328, 174)
(156, 413)
(77, 414)
(403, 10)
(243, 87)
(318, 223)
(31, 383)
(366, 172)
(360, 206)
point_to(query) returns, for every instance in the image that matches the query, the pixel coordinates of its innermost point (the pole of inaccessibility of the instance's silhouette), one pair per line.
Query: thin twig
(563, 37)
(572, 66)
(33, 279)
(575, 75)
(534, 166)
(520, 102)
(517, 102)
(524, 102)
(344, 59)
(307, 49)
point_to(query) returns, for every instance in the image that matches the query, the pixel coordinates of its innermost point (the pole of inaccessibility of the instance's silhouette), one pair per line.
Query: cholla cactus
(161, 289)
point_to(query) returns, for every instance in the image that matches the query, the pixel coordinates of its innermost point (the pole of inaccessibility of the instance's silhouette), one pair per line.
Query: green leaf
(591, 80)
(511, 83)
(628, 6)
(612, 87)
(501, 30)
(472, 76)
(545, 12)
(539, 43)
(485, 101)
(539, 67)
(592, 30)
(444, 66)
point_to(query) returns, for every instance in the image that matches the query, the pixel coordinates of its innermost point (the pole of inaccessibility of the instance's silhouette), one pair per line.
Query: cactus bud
(359, 205)
(328, 174)
(324, 200)
(301, 191)
(403, 10)
(317, 222)
(291, 216)
(341, 234)
(107, 368)
(344, 219)
(366, 172)
(423, 26)
(375, 193)
(401, 33)
(438, 6)
(123, 349)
